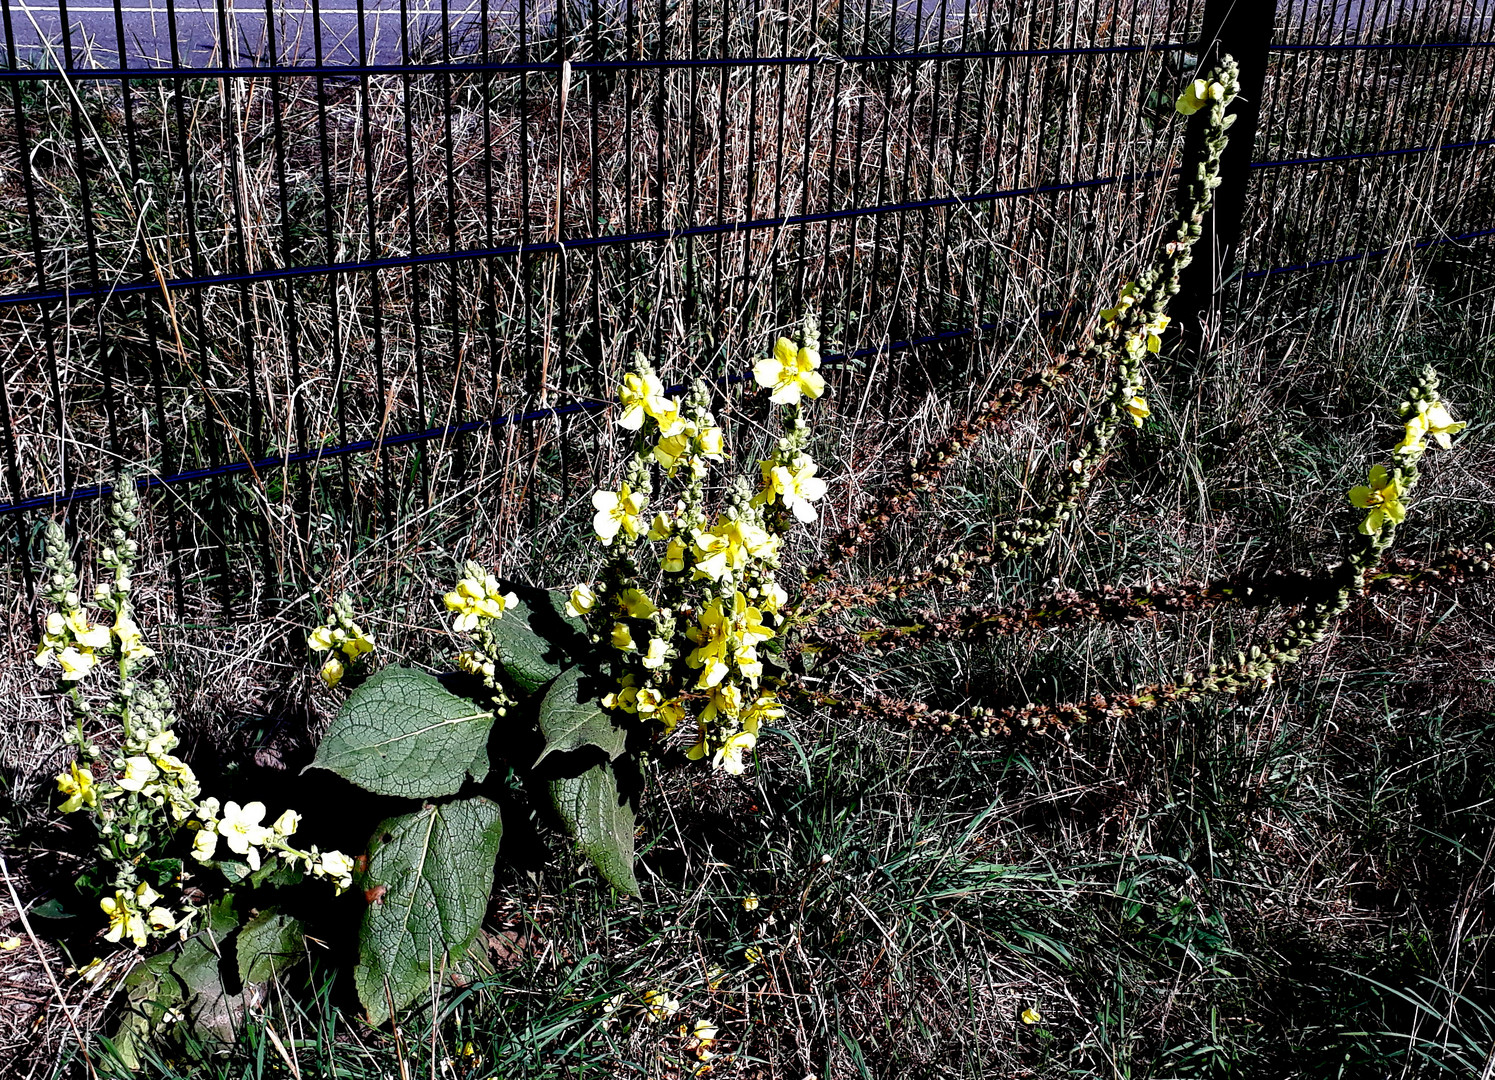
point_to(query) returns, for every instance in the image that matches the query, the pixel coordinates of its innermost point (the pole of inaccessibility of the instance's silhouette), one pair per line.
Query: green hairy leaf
(269, 943)
(570, 720)
(403, 733)
(602, 822)
(428, 882)
(534, 639)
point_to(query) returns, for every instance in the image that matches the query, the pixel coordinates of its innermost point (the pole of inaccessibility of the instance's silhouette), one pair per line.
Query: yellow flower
(163, 919)
(647, 701)
(205, 844)
(241, 829)
(1031, 1016)
(790, 372)
(655, 657)
(357, 643)
(77, 785)
(794, 484)
(728, 547)
(750, 902)
(139, 771)
(76, 663)
(1383, 498)
(321, 639)
(661, 527)
(625, 698)
(287, 823)
(124, 920)
(1430, 419)
(332, 864)
(710, 637)
(753, 955)
(10, 944)
(1138, 410)
(478, 596)
(90, 635)
(1128, 297)
(669, 713)
(635, 604)
(763, 711)
(131, 644)
(1197, 95)
(772, 597)
(709, 442)
(674, 556)
(639, 395)
(623, 638)
(332, 671)
(582, 600)
(617, 511)
(729, 757)
(660, 1005)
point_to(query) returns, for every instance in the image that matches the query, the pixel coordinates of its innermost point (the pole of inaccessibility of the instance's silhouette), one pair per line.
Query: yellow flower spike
(1138, 410)
(623, 638)
(1382, 497)
(636, 604)
(582, 600)
(1195, 97)
(617, 511)
(77, 785)
(790, 373)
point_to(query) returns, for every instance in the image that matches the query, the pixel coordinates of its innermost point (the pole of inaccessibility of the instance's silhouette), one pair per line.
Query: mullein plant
(145, 805)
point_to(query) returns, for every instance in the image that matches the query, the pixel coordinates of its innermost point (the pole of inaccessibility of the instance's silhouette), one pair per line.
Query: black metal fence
(236, 239)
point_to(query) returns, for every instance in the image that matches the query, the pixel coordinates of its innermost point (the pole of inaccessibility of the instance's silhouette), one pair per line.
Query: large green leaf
(428, 881)
(570, 719)
(269, 943)
(535, 639)
(601, 819)
(403, 733)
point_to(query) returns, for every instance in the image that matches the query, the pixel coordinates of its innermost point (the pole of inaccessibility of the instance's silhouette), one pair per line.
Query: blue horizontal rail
(409, 438)
(1372, 154)
(343, 71)
(236, 468)
(1374, 253)
(281, 273)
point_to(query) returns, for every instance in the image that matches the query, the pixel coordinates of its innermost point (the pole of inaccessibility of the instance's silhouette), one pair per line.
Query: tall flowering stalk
(145, 803)
(687, 608)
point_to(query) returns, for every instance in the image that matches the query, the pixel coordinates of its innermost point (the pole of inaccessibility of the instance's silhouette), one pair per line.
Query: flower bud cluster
(340, 634)
(689, 637)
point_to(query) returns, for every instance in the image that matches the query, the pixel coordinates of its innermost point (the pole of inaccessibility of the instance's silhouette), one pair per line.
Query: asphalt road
(37, 25)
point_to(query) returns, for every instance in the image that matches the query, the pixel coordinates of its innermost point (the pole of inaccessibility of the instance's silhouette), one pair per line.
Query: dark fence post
(1243, 29)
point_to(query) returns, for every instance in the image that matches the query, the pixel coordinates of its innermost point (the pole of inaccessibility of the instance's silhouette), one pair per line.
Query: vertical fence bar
(1244, 31)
